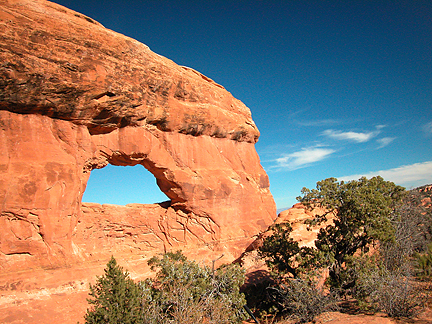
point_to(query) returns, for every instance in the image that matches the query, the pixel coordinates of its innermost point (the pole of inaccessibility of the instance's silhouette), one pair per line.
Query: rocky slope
(75, 96)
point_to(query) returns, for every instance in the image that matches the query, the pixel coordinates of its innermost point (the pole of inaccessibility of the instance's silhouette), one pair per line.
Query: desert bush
(362, 212)
(302, 300)
(368, 250)
(412, 224)
(423, 263)
(189, 293)
(151, 308)
(417, 210)
(394, 292)
(280, 251)
(399, 297)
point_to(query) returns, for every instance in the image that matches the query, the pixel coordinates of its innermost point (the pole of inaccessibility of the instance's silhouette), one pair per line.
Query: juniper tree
(115, 298)
(362, 210)
(283, 255)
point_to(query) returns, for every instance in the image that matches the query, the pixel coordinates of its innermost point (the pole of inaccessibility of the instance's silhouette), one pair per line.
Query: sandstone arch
(70, 103)
(204, 177)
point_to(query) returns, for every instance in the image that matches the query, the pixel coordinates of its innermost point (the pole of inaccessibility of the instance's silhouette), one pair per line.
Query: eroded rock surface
(75, 96)
(62, 64)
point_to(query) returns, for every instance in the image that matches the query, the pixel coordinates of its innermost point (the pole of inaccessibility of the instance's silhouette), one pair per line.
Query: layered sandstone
(75, 96)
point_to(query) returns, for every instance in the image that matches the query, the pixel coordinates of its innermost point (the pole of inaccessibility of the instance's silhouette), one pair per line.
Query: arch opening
(122, 185)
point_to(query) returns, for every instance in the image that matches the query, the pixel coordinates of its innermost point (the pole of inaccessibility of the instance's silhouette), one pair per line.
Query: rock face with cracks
(75, 96)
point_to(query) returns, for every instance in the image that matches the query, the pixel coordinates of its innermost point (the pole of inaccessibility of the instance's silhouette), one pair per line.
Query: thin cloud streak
(383, 142)
(315, 123)
(303, 158)
(357, 137)
(427, 128)
(416, 174)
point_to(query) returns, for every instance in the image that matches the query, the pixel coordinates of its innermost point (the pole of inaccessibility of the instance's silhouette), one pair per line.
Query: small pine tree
(115, 298)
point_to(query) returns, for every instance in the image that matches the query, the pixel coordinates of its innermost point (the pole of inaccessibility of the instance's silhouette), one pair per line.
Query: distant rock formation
(74, 97)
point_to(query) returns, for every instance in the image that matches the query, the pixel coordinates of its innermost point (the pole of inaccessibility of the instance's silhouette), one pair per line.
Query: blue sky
(337, 88)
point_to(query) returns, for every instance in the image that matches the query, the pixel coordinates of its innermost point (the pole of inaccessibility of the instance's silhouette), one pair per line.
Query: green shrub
(280, 251)
(182, 292)
(367, 251)
(362, 215)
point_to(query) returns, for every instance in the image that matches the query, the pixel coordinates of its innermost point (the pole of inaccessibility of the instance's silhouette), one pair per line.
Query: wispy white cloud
(413, 175)
(427, 128)
(383, 142)
(321, 122)
(358, 137)
(303, 158)
(298, 112)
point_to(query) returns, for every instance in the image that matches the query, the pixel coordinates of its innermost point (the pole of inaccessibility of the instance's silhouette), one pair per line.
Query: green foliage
(183, 292)
(280, 250)
(365, 213)
(173, 269)
(283, 255)
(115, 298)
(362, 212)
(294, 292)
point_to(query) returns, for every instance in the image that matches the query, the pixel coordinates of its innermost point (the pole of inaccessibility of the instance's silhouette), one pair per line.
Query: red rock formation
(75, 96)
